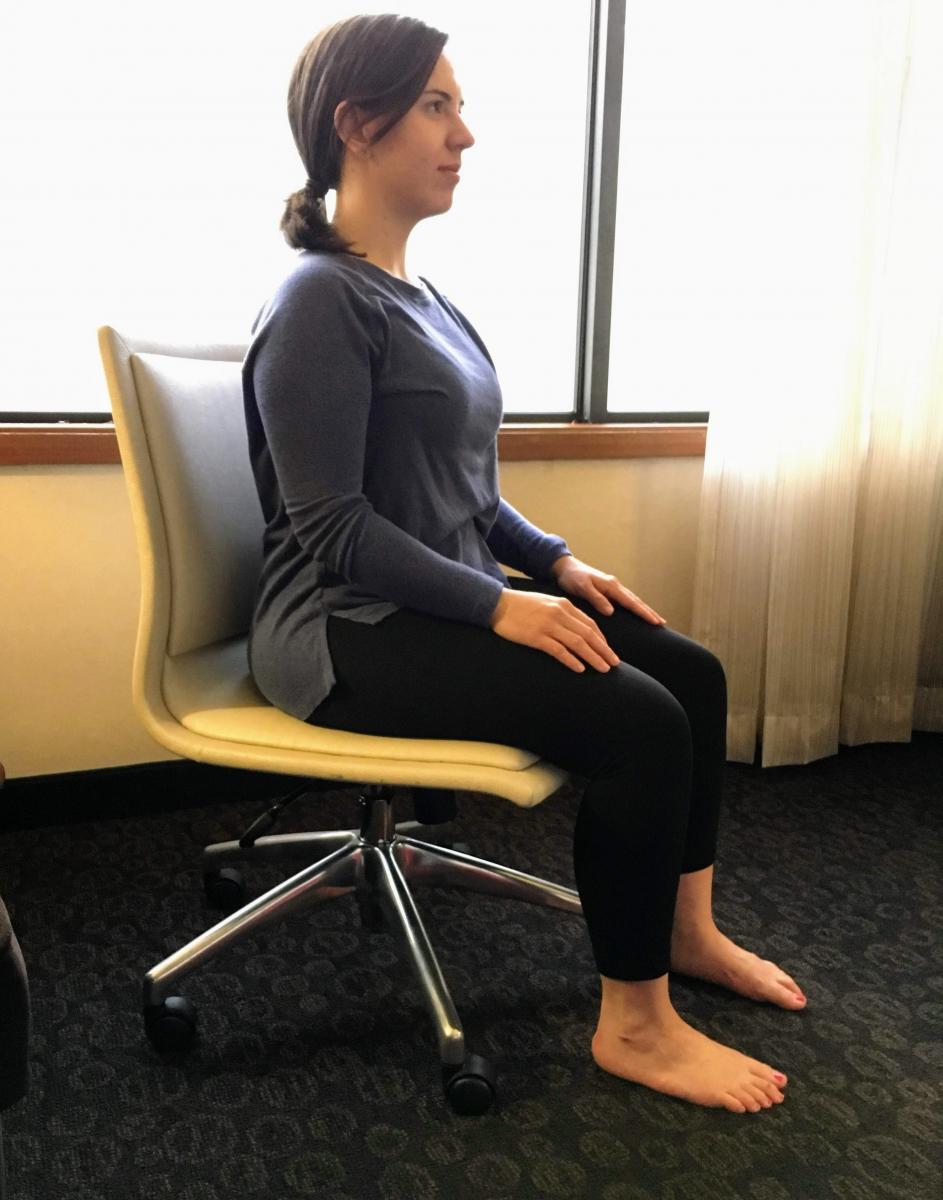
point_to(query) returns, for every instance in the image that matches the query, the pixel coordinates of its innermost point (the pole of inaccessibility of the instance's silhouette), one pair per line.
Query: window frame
(43, 437)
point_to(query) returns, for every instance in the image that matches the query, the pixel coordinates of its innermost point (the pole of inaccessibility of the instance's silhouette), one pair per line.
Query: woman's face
(408, 165)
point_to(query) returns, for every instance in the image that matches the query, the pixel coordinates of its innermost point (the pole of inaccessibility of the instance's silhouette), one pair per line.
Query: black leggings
(650, 735)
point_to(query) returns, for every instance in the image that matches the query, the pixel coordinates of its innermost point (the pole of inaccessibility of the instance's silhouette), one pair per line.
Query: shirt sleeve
(310, 367)
(515, 542)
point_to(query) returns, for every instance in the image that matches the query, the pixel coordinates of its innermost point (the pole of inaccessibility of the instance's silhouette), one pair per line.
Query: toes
(761, 1097)
(787, 982)
(769, 1076)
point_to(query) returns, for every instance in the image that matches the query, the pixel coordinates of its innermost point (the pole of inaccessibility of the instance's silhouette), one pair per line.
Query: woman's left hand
(601, 590)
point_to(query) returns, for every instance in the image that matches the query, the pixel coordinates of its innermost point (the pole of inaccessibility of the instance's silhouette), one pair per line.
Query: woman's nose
(465, 136)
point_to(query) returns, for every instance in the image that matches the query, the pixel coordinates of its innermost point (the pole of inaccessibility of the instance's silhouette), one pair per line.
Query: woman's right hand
(552, 624)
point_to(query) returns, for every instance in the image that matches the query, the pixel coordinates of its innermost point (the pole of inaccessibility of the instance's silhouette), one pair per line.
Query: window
(629, 159)
(146, 156)
(743, 146)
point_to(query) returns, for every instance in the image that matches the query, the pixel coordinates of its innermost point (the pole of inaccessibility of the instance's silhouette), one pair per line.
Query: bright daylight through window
(147, 156)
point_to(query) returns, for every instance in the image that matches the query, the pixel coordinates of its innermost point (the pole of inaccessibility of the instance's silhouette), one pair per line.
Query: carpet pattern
(316, 1074)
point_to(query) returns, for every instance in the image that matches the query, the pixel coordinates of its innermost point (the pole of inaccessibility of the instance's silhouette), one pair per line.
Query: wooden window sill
(522, 442)
(30, 445)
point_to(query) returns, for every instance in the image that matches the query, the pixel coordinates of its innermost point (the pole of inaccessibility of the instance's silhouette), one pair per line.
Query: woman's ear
(350, 129)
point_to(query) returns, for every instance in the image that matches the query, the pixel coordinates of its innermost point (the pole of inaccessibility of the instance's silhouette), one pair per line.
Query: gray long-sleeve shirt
(372, 409)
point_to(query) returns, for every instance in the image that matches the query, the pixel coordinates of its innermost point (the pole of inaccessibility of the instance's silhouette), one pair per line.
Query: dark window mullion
(607, 56)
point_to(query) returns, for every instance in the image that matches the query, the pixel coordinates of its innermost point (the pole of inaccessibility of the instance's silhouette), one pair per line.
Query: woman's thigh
(691, 672)
(416, 675)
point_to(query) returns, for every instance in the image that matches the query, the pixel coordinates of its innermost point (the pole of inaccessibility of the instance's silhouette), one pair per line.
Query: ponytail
(305, 226)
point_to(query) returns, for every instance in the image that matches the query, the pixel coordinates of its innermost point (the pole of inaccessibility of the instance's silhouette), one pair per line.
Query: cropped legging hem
(649, 736)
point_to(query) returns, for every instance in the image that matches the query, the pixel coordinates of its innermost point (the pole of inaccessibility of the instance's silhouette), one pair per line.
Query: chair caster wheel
(224, 889)
(472, 1087)
(170, 1025)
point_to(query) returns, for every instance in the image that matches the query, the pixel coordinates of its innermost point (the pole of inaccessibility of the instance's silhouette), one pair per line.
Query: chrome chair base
(375, 863)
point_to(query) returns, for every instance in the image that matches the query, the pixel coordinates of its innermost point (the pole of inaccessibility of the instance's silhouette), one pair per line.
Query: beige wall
(69, 588)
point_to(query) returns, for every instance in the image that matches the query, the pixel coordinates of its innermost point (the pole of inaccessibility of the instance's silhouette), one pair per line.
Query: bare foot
(713, 956)
(672, 1057)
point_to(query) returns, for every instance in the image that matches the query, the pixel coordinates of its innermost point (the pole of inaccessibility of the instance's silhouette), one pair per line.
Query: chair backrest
(179, 418)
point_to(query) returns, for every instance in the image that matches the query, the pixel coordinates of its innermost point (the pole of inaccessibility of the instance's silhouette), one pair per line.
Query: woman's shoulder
(320, 272)
(320, 283)
(318, 291)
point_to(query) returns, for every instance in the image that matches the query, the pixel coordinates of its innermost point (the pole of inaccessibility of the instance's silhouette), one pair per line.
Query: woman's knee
(650, 728)
(693, 673)
(710, 667)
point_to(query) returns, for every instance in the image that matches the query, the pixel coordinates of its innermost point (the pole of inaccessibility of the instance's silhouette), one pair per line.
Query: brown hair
(380, 65)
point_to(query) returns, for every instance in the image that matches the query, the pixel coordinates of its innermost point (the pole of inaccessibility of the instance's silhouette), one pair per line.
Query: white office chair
(178, 412)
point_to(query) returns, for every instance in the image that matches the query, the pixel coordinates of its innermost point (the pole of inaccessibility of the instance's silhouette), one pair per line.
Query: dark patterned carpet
(316, 1073)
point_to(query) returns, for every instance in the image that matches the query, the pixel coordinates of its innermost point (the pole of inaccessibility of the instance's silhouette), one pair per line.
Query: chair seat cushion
(211, 692)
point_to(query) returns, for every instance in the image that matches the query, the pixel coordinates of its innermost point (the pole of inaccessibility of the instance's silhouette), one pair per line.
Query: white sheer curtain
(820, 555)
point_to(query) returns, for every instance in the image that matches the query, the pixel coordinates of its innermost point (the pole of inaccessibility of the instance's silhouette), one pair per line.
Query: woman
(372, 409)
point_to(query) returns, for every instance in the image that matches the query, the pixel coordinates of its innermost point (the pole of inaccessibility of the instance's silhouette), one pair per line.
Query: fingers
(558, 650)
(584, 637)
(557, 643)
(639, 606)
(555, 626)
(601, 599)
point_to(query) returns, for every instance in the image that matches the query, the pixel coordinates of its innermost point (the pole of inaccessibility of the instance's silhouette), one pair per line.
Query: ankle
(692, 927)
(633, 1008)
